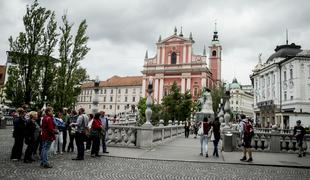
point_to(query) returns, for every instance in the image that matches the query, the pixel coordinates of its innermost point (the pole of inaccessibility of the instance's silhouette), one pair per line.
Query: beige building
(115, 95)
(241, 100)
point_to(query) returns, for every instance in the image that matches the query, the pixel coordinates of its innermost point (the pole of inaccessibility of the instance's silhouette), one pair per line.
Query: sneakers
(250, 160)
(105, 152)
(207, 155)
(243, 159)
(201, 154)
(299, 155)
(78, 159)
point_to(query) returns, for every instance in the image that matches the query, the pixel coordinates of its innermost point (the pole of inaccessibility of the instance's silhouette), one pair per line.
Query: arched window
(213, 53)
(173, 58)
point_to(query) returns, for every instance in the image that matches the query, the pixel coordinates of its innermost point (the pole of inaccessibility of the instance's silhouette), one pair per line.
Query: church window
(213, 53)
(284, 74)
(285, 96)
(173, 58)
(291, 73)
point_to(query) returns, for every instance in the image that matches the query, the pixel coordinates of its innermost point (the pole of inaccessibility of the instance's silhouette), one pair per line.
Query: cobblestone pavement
(129, 168)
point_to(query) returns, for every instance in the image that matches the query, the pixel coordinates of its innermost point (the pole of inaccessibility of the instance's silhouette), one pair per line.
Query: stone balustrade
(142, 137)
(272, 141)
(269, 130)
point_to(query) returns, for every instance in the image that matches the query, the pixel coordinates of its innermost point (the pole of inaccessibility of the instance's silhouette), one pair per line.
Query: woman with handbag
(72, 130)
(96, 128)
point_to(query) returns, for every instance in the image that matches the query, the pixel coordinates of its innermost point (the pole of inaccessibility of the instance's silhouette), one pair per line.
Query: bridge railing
(272, 141)
(142, 137)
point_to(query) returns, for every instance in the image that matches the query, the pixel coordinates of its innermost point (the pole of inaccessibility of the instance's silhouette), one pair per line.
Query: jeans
(58, 142)
(104, 143)
(204, 144)
(95, 145)
(64, 135)
(79, 139)
(215, 144)
(44, 153)
(70, 146)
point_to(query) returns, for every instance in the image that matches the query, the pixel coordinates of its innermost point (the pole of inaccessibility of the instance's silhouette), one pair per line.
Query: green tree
(35, 73)
(26, 49)
(217, 92)
(69, 73)
(176, 106)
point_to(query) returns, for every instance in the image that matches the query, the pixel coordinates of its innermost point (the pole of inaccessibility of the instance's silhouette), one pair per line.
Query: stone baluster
(169, 123)
(161, 123)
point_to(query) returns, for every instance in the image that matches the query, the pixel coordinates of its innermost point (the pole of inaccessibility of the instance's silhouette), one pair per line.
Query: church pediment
(174, 38)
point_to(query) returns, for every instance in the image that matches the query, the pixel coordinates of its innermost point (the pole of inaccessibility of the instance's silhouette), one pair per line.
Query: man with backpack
(246, 133)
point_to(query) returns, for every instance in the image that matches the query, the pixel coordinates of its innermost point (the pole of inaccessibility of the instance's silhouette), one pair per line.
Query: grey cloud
(120, 31)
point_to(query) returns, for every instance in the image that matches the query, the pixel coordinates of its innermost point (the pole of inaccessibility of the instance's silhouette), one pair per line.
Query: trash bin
(228, 142)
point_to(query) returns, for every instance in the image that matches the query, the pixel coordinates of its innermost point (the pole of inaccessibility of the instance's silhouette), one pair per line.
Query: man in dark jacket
(299, 133)
(18, 134)
(48, 136)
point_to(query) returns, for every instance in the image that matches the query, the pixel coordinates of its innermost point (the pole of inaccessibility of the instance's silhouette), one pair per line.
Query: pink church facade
(175, 62)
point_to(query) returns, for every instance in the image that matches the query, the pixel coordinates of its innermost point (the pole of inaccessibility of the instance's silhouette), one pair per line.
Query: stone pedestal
(228, 142)
(275, 141)
(145, 136)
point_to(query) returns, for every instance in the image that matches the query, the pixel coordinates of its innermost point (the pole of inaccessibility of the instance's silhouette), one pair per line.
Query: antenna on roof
(286, 37)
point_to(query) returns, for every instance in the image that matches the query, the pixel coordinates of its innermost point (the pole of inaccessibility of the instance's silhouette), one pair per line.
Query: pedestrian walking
(19, 125)
(95, 133)
(246, 133)
(203, 132)
(105, 125)
(186, 128)
(216, 125)
(48, 136)
(299, 133)
(81, 133)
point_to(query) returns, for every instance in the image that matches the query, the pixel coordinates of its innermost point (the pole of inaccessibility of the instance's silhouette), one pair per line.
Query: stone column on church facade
(156, 90)
(188, 84)
(184, 54)
(161, 89)
(182, 85)
(162, 56)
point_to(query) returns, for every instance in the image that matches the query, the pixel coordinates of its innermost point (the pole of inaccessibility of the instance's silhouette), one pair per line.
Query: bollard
(228, 142)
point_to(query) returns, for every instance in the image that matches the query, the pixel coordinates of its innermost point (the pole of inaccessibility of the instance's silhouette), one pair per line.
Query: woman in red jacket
(96, 129)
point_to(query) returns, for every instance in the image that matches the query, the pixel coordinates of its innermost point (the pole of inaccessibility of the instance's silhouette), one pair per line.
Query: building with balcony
(282, 87)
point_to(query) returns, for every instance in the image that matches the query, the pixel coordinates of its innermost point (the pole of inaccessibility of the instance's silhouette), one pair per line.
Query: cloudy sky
(120, 31)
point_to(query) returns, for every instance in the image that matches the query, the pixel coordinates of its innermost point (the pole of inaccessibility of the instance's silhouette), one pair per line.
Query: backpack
(248, 129)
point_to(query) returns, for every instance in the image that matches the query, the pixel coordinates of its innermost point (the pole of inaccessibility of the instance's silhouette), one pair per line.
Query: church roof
(116, 81)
